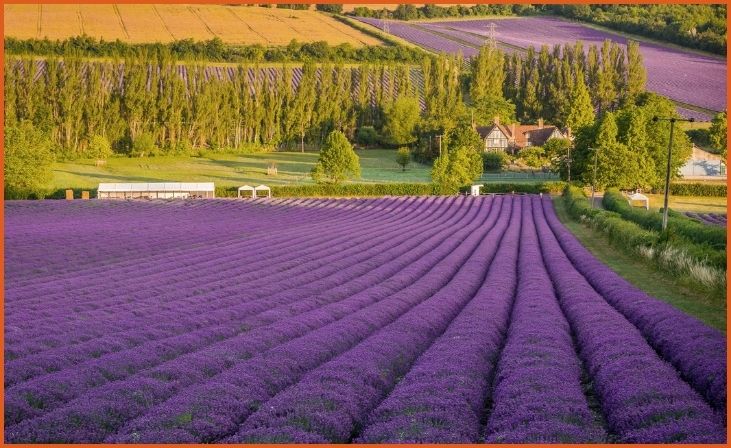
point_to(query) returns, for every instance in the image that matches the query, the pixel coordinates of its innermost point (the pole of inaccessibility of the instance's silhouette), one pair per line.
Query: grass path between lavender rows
(644, 276)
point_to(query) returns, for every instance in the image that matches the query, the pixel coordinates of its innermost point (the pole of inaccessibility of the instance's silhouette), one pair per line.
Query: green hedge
(393, 189)
(631, 236)
(713, 236)
(621, 232)
(696, 189)
(352, 190)
(61, 193)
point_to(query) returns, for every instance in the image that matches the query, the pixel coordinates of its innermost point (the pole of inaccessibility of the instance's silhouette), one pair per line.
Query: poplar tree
(581, 111)
(636, 72)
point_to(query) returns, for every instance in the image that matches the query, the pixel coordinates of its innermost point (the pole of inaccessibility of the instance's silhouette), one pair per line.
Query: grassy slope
(377, 165)
(654, 282)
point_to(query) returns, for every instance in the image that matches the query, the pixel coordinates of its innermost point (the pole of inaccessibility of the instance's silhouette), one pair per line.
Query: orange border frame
(2, 215)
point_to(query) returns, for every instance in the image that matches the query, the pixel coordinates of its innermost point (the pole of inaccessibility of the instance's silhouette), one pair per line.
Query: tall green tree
(28, 159)
(456, 168)
(488, 74)
(401, 119)
(337, 162)
(581, 111)
(717, 134)
(636, 72)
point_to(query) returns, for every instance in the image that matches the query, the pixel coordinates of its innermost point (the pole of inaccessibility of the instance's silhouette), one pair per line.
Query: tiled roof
(523, 132)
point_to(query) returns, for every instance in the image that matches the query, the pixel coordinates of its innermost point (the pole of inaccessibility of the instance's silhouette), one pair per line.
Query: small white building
(156, 190)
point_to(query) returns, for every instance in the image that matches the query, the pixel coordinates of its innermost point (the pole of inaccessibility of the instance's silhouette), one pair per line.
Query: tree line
(214, 50)
(141, 108)
(702, 27)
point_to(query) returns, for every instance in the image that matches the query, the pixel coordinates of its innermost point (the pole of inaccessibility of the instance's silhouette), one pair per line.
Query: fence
(518, 175)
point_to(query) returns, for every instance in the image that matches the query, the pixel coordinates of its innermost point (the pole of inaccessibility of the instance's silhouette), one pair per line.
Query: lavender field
(411, 319)
(681, 75)
(714, 219)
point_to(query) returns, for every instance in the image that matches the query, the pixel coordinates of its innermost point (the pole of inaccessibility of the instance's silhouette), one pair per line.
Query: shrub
(337, 160)
(494, 160)
(99, 148)
(456, 168)
(403, 157)
(534, 156)
(143, 145)
(366, 136)
(28, 159)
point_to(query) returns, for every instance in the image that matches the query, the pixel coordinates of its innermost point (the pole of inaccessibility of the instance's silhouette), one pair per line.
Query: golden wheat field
(138, 23)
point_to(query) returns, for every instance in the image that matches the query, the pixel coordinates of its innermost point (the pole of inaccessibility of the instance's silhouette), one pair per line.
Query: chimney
(540, 123)
(568, 132)
(512, 131)
(496, 120)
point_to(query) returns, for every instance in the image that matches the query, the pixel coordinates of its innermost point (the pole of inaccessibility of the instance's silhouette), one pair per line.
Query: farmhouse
(516, 136)
(156, 190)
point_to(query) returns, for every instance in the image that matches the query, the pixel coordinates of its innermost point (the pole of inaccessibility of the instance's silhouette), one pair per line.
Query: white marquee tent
(156, 190)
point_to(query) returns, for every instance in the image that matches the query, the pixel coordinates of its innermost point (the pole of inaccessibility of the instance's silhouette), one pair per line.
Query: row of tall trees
(432, 11)
(214, 50)
(133, 101)
(566, 85)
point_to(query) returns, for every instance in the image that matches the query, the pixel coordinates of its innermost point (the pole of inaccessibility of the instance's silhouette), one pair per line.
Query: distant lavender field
(422, 38)
(681, 75)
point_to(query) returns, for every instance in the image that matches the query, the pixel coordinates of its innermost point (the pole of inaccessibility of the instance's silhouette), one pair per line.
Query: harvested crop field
(140, 23)
(429, 319)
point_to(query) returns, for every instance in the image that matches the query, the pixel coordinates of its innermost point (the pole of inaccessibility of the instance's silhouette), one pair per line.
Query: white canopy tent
(639, 197)
(264, 188)
(247, 188)
(156, 190)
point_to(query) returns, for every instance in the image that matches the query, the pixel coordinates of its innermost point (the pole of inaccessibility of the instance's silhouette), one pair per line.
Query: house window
(528, 143)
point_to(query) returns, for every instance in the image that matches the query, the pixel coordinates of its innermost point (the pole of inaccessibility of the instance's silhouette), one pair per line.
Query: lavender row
(441, 399)
(642, 397)
(216, 279)
(255, 381)
(330, 402)
(421, 38)
(378, 254)
(715, 219)
(174, 264)
(538, 395)
(113, 404)
(100, 370)
(177, 290)
(696, 350)
(234, 281)
(105, 234)
(200, 226)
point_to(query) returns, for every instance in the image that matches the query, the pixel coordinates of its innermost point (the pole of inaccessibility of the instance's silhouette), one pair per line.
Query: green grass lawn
(644, 276)
(699, 204)
(377, 166)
